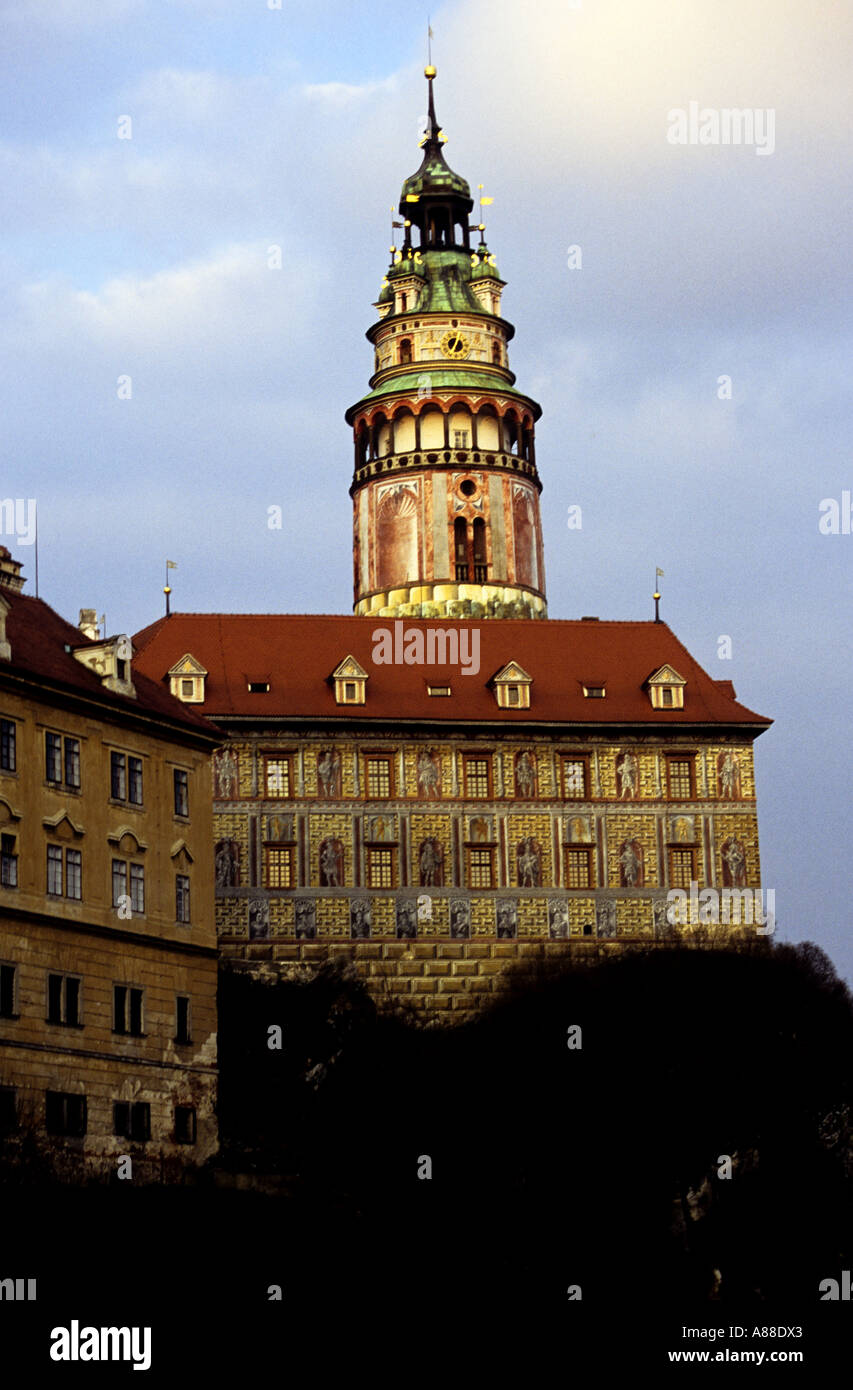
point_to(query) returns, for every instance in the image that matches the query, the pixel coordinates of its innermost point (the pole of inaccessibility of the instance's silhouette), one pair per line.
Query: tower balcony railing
(465, 458)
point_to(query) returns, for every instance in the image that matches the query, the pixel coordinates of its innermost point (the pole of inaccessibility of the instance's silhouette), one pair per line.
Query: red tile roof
(298, 653)
(40, 640)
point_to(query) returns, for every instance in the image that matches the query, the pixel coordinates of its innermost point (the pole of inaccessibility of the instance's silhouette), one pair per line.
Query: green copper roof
(442, 379)
(434, 176)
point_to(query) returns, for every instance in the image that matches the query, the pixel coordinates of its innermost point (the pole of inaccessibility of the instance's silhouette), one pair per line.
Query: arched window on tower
(460, 547)
(405, 349)
(496, 354)
(480, 565)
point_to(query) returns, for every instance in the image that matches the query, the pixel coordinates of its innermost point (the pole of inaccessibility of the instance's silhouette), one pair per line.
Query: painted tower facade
(445, 488)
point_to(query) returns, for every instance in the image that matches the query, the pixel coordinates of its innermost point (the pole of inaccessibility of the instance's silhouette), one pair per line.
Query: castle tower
(445, 489)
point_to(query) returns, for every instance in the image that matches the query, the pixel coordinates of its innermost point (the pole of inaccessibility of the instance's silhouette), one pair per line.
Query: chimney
(10, 571)
(88, 623)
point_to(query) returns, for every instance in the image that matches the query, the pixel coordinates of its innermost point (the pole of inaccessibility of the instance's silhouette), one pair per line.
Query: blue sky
(296, 127)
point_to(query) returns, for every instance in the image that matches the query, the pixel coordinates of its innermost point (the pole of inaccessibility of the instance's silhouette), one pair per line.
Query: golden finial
(429, 70)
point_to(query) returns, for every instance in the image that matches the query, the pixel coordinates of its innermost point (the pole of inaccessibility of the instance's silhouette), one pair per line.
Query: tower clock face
(454, 344)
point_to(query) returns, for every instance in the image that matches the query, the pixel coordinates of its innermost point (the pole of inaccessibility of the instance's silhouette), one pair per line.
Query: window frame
(384, 760)
(8, 745)
(585, 760)
(678, 850)
(578, 853)
(11, 993)
(63, 1020)
(286, 759)
(379, 857)
(467, 760)
(181, 792)
(271, 857)
(488, 860)
(66, 1130)
(8, 860)
(192, 1127)
(182, 900)
(132, 1010)
(690, 759)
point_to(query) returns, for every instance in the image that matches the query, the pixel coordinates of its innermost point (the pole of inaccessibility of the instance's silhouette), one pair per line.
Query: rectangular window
(185, 1124)
(137, 888)
(65, 1114)
(118, 777)
(53, 758)
(182, 792)
(182, 1019)
(182, 898)
(480, 868)
(277, 777)
(576, 779)
(476, 777)
(579, 868)
(134, 781)
(8, 757)
(54, 870)
(380, 868)
(379, 777)
(680, 778)
(8, 862)
(119, 881)
(682, 867)
(8, 1110)
(279, 867)
(72, 762)
(127, 1010)
(73, 873)
(132, 1120)
(8, 990)
(63, 999)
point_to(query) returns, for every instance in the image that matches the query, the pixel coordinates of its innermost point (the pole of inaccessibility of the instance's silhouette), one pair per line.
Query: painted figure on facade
(606, 919)
(259, 919)
(407, 919)
(329, 774)
(631, 864)
(431, 864)
(734, 864)
(525, 776)
(227, 862)
(305, 916)
(460, 919)
(628, 772)
(360, 919)
(225, 768)
(529, 859)
(429, 782)
(558, 919)
(728, 773)
(507, 918)
(331, 864)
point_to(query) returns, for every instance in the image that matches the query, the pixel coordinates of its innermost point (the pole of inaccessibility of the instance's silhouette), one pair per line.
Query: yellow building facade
(107, 937)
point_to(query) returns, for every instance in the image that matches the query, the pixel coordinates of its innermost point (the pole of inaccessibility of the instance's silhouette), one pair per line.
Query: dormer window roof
(350, 680)
(512, 686)
(666, 688)
(186, 680)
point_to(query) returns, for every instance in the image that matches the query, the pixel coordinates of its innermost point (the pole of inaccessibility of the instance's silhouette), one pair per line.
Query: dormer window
(350, 680)
(110, 661)
(666, 688)
(512, 687)
(438, 690)
(594, 692)
(186, 680)
(259, 687)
